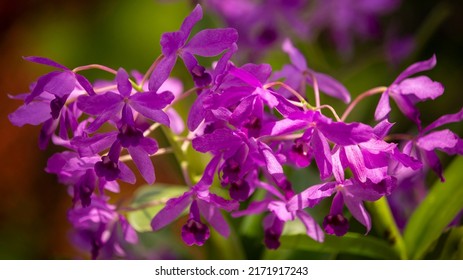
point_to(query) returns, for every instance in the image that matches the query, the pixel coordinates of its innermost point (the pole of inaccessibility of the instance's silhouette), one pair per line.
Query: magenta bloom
(208, 42)
(101, 230)
(202, 204)
(47, 102)
(406, 91)
(108, 106)
(298, 73)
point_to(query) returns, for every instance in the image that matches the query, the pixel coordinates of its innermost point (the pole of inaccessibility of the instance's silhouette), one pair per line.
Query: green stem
(179, 155)
(384, 223)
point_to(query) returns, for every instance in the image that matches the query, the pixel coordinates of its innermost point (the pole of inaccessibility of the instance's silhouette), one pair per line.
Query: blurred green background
(121, 33)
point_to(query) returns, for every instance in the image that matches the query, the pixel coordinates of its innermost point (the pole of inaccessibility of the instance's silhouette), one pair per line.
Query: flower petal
(143, 163)
(383, 108)
(297, 59)
(416, 67)
(161, 72)
(214, 217)
(422, 87)
(313, 229)
(33, 113)
(211, 42)
(311, 196)
(174, 207)
(45, 61)
(359, 212)
(123, 84)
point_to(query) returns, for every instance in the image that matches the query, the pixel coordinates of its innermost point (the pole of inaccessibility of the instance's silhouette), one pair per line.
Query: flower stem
(150, 70)
(384, 223)
(316, 90)
(331, 109)
(290, 89)
(359, 98)
(161, 151)
(94, 66)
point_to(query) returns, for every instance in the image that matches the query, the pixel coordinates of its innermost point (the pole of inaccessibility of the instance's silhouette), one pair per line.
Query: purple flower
(109, 105)
(51, 102)
(101, 230)
(202, 204)
(298, 73)
(129, 137)
(345, 19)
(349, 192)
(208, 42)
(78, 173)
(318, 129)
(406, 91)
(279, 214)
(425, 144)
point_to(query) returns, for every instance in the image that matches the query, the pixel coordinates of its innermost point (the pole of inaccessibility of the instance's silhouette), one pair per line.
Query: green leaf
(351, 243)
(453, 246)
(148, 201)
(384, 224)
(438, 209)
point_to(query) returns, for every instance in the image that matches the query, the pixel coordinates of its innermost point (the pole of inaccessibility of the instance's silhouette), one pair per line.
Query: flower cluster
(253, 122)
(262, 24)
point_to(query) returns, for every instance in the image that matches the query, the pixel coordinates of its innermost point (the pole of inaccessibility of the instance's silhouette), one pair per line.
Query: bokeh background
(120, 33)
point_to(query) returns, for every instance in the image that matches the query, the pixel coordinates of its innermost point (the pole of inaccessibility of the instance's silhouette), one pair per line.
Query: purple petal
(283, 127)
(245, 76)
(161, 72)
(255, 207)
(196, 113)
(97, 104)
(188, 23)
(128, 232)
(330, 86)
(211, 42)
(415, 68)
(408, 109)
(322, 154)
(433, 161)
(176, 122)
(272, 164)
(143, 163)
(311, 196)
(445, 119)
(214, 217)
(86, 85)
(279, 209)
(382, 129)
(46, 132)
(174, 207)
(45, 61)
(62, 84)
(220, 202)
(383, 108)
(33, 113)
(312, 227)
(126, 174)
(407, 160)
(422, 87)
(443, 139)
(93, 145)
(356, 162)
(346, 133)
(39, 87)
(220, 139)
(149, 104)
(208, 177)
(297, 59)
(151, 100)
(359, 212)
(123, 84)
(338, 168)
